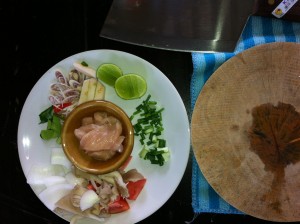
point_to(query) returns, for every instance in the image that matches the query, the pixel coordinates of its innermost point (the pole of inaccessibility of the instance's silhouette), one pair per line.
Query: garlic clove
(88, 199)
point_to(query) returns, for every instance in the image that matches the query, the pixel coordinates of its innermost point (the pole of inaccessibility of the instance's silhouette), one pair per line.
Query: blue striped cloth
(258, 30)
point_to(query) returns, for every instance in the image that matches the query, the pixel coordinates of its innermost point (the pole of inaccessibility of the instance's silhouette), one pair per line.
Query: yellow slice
(84, 91)
(92, 87)
(99, 92)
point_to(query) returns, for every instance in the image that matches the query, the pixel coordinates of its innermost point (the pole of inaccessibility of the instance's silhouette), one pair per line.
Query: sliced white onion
(52, 194)
(53, 180)
(38, 173)
(58, 157)
(72, 179)
(88, 199)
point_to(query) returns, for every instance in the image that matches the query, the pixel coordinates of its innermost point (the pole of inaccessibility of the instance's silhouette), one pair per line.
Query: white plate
(161, 181)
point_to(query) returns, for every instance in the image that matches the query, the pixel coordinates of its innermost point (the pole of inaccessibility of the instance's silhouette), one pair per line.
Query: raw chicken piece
(101, 139)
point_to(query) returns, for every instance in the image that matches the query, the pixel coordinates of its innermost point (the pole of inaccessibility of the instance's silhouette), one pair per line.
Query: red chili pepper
(59, 107)
(90, 187)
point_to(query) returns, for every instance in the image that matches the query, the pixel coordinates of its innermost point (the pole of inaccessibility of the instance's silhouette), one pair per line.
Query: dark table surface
(34, 36)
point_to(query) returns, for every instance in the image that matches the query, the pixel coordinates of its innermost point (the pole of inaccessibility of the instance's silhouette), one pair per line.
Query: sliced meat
(83, 130)
(100, 136)
(104, 138)
(87, 121)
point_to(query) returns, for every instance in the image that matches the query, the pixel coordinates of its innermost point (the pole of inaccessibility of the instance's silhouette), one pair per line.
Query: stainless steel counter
(180, 25)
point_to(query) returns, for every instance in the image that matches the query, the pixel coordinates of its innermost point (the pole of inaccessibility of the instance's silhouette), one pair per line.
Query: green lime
(108, 73)
(131, 86)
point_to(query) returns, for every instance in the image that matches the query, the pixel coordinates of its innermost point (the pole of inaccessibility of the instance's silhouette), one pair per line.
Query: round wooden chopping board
(245, 131)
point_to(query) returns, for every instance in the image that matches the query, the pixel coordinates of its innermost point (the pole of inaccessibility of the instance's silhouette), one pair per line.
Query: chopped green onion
(149, 128)
(163, 149)
(161, 143)
(166, 156)
(143, 153)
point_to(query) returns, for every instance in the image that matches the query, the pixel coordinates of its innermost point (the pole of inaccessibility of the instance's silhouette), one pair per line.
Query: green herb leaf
(54, 125)
(46, 115)
(48, 134)
(83, 63)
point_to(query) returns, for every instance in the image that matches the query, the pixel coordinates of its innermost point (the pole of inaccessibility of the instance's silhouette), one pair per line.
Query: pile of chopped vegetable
(149, 128)
(68, 91)
(62, 187)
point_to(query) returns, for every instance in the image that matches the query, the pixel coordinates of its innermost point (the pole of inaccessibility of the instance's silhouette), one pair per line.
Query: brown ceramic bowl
(71, 144)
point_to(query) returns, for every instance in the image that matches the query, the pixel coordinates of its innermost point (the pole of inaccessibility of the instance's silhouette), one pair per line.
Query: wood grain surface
(222, 131)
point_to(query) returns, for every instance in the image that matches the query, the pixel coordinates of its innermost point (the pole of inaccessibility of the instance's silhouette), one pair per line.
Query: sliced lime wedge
(108, 73)
(130, 86)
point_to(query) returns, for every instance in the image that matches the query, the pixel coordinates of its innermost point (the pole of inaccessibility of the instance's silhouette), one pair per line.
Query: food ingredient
(149, 127)
(88, 199)
(131, 86)
(118, 206)
(85, 69)
(40, 174)
(134, 188)
(82, 194)
(56, 183)
(92, 89)
(54, 125)
(100, 136)
(58, 157)
(53, 193)
(65, 94)
(127, 86)
(59, 107)
(108, 73)
(80, 85)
